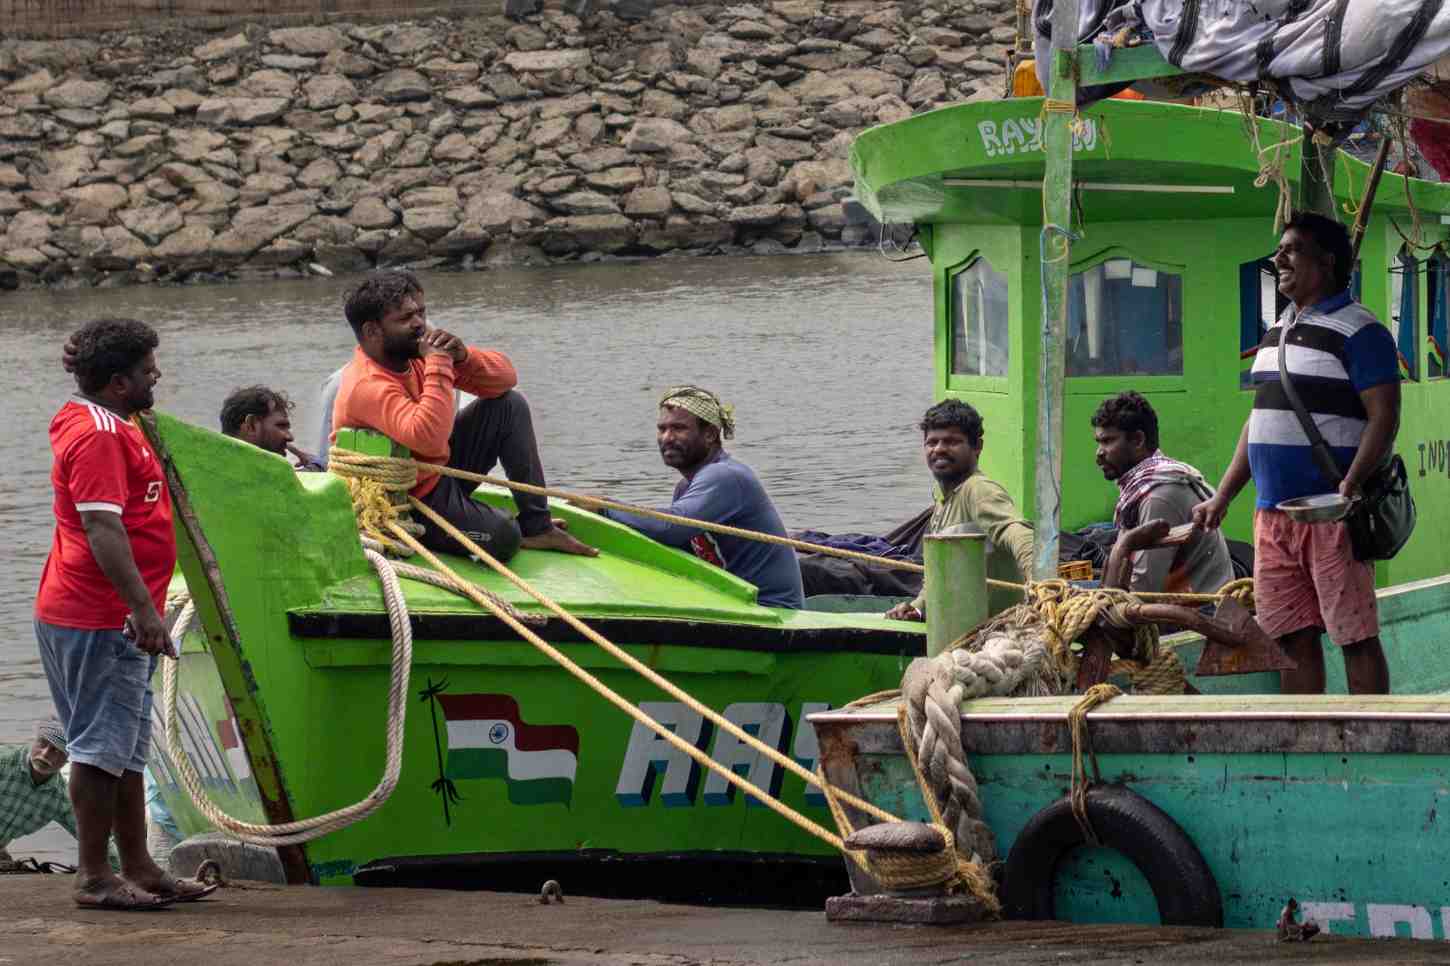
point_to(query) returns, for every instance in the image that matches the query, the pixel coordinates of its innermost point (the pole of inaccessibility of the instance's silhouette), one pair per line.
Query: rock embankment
(707, 127)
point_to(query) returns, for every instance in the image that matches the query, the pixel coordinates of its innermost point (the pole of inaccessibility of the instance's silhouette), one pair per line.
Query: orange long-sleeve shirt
(415, 408)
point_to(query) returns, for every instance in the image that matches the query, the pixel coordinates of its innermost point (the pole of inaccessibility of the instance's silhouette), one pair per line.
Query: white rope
(293, 833)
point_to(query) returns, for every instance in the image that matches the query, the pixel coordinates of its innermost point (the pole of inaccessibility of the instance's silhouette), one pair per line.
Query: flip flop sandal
(172, 889)
(123, 898)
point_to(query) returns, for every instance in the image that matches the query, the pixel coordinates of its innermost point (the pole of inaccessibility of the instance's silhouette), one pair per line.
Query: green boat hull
(509, 763)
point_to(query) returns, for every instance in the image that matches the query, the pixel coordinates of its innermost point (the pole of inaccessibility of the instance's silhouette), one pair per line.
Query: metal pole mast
(1056, 250)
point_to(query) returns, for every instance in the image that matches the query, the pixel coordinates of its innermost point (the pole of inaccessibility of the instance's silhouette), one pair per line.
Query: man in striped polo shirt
(1346, 369)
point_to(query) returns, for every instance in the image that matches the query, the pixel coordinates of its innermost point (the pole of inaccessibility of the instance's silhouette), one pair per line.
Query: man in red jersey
(98, 612)
(401, 382)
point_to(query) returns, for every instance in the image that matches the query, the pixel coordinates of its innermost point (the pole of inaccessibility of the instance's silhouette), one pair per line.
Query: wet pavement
(262, 924)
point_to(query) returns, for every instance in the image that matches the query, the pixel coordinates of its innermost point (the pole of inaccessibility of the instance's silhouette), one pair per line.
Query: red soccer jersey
(102, 462)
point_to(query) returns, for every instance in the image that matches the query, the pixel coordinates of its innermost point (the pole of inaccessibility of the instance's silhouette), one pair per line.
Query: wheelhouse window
(1125, 318)
(980, 345)
(1405, 312)
(1260, 305)
(1437, 284)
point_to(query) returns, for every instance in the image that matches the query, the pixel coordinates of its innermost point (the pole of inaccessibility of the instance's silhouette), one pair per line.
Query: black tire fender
(1182, 882)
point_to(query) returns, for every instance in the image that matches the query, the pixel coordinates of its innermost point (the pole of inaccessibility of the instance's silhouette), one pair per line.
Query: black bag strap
(1323, 456)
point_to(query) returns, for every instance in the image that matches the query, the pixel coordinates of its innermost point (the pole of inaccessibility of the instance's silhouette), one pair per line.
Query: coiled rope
(304, 830)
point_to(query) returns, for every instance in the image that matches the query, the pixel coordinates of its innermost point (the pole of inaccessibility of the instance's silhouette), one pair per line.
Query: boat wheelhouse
(1169, 292)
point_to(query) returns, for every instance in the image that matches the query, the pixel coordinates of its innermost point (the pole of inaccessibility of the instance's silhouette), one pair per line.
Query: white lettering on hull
(651, 765)
(1021, 135)
(1385, 920)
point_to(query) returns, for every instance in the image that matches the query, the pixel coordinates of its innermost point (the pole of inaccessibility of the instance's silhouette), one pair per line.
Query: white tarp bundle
(1336, 57)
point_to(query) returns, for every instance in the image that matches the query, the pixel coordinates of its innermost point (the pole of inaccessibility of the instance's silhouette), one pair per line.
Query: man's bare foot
(556, 539)
(113, 892)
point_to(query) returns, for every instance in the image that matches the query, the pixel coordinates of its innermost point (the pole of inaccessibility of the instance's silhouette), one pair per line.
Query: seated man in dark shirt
(720, 489)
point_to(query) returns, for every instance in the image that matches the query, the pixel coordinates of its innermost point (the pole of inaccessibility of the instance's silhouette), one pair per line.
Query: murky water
(826, 359)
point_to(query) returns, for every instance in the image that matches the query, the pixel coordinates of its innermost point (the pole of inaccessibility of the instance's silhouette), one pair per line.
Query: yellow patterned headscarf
(704, 405)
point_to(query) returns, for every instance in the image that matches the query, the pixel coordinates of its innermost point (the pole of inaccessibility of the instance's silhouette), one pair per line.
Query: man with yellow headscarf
(720, 489)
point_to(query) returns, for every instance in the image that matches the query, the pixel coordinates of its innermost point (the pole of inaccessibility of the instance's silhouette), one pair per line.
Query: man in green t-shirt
(952, 443)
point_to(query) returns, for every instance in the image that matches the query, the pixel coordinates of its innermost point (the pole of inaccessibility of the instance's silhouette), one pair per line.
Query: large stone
(64, 168)
(693, 203)
(319, 174)
(451, 72)
(186, 244)
(752, 30)
(454, 147)
(78, 93)
(550, 132)
(431, 196)
(785, 149)
(21, 127)
(92, 204)
(36, 83)
(262, 187)
(124, 247)
(546, 61)
(648, 202)
(348, 64)
(308, 40)
(431, 223)
(212, 198)
(252, 228)
(151, 224)
(9, 204)
(496, 211)
(270, 83)
(194, 144)
(600, 158)
(152, 109)
(584, 203)
(927, 87)
(28, 229)
(221, 47)
(407, 40)
(469, 238)
(26, 259)
(823, 174)
(654, 134)
(469, 97)
(245, 111)
(329, 90)
(678, 232)
(371, 212)
(595, 233)
(757, 215)
(403, 85)
(78, 117)
(138, 145)
(616, 179)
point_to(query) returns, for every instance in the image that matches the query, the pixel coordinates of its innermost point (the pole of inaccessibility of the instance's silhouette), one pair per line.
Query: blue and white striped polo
(1336, 350)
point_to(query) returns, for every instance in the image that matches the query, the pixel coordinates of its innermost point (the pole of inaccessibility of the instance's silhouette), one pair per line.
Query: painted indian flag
(488, 738)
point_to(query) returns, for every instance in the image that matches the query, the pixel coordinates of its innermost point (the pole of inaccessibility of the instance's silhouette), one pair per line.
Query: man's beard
(403, 347)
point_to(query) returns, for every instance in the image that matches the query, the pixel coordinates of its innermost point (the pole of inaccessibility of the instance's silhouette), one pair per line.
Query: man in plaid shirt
(32, 791)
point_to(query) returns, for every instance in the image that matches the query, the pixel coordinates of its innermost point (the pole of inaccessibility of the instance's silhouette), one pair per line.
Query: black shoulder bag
(1382, 519)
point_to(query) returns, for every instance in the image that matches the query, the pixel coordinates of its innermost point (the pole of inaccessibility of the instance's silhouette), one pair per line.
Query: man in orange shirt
(400, 383)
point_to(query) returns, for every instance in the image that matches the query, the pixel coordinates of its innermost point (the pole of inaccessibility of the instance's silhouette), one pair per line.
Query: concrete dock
(252, 925)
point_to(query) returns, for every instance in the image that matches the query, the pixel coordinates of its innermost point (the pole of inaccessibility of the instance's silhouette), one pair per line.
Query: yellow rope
(1077, 724)
(630, 661)
(394, 472)
(600, 688)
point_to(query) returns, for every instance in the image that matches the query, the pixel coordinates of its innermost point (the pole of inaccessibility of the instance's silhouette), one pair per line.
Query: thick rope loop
(305, 830)
(1077, 725)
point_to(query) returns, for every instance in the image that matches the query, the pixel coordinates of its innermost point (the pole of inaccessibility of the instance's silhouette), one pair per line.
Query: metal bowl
(1319, 508)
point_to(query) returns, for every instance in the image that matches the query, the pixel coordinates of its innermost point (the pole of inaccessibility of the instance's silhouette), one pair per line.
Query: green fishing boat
(1125, 246)
(513, 772)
